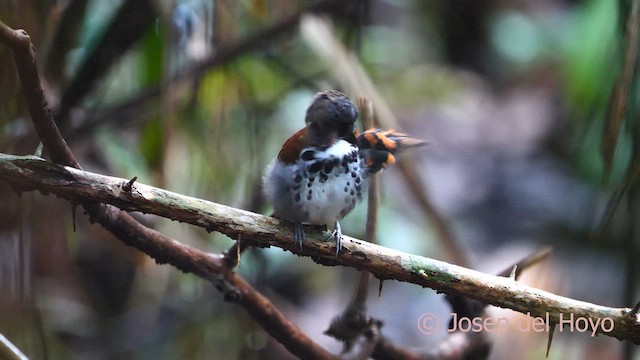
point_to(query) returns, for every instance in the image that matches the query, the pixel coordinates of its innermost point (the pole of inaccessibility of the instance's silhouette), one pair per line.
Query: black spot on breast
(314, 167)
(354, 174)
(310, 191)
(309, 196)
(308, 155)
(297, 196)
(323, 177)
(298, 178)
(358, 180)
(346, 189)
(352, 192)
(329, 164)
(309, 184)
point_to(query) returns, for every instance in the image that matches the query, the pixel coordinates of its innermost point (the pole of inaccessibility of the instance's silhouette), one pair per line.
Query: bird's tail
(380, 147)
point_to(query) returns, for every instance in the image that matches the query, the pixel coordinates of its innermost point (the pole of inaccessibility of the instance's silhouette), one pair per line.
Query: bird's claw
(337, 235)
(298, 234)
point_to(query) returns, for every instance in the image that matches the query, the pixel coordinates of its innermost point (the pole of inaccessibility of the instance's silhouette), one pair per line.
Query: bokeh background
(196, 96)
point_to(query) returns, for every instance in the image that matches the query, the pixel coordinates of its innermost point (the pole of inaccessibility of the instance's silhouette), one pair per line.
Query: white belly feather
(320, 188)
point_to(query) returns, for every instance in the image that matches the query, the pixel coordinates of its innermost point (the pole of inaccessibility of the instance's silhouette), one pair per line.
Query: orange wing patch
(380, 147)
(387, 142)
(390, 160)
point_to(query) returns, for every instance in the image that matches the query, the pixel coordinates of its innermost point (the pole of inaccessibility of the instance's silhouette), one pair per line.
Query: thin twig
(552, 330)
(526, 263)
(9, 351)
(620, 91)
(353, 323)
(371, 228)
(630, 177)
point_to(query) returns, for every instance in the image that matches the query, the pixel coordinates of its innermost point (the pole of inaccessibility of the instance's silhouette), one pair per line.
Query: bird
(321, 172)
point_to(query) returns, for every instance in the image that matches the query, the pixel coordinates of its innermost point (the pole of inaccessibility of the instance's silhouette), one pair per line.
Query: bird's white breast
(320, 188)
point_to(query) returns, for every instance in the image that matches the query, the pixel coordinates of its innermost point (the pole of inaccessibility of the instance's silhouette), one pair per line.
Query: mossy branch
(32, 173)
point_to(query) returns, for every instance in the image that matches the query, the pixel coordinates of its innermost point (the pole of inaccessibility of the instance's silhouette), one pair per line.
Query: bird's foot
(298, 234)
(337, 235)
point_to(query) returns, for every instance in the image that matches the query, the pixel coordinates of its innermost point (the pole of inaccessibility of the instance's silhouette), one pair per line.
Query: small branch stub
(129, 185)
(514, 272)
(635, 309)
(550, 338)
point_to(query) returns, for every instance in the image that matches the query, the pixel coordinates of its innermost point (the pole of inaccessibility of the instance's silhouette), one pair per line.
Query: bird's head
(331, 116)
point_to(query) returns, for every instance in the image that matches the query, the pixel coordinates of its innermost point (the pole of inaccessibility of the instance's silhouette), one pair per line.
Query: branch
(78, 186)
(24, 56)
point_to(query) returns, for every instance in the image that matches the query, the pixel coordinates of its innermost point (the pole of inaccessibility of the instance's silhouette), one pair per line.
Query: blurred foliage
(496, 87)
